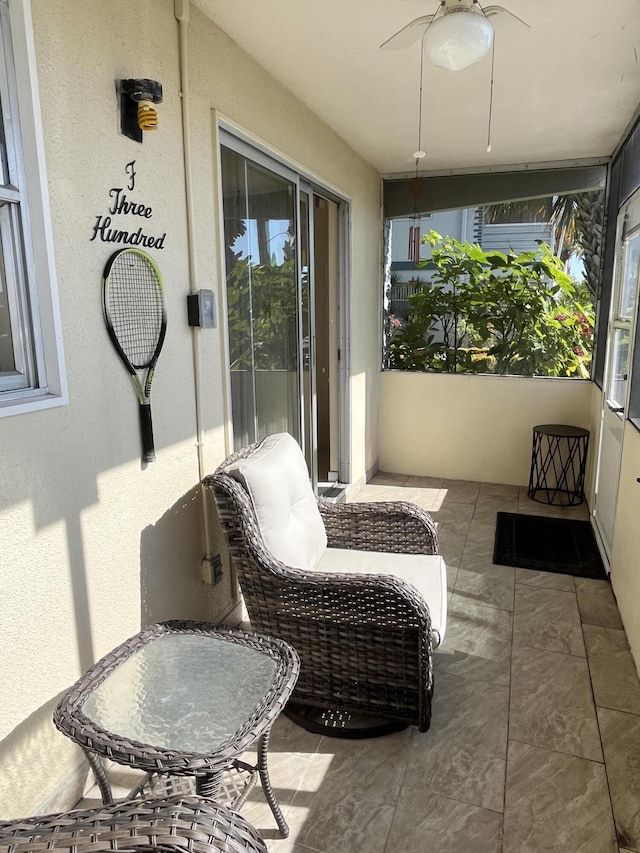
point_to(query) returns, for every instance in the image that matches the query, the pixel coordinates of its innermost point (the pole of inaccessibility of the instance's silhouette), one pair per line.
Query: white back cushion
(277, 480)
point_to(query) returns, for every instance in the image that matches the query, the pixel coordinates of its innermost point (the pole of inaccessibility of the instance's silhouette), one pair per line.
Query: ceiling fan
(457, 35)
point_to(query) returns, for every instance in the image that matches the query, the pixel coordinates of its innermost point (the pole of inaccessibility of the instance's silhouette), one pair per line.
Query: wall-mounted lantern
(138, 98)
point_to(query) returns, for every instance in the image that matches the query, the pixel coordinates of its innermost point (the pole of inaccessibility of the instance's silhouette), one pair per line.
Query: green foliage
(490, 312)
(261, 306)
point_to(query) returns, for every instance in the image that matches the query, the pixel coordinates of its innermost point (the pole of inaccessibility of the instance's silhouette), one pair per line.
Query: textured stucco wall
(472, 427)
(625, 560)
(92, 545)
(240, 91)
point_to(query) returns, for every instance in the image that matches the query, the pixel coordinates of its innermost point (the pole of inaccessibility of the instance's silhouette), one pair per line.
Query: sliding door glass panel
(619, 368)
(262, 299)
(239, 292)
(630, 278)
(307, 333)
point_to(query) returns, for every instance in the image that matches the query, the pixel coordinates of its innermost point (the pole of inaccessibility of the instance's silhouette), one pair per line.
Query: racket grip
(146, 430)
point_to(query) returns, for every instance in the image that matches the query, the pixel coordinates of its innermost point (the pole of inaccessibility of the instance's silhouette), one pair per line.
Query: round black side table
(558, 463)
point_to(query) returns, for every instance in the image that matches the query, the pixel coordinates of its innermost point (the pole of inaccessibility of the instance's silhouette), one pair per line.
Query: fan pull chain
(493, 56)
(414, 229)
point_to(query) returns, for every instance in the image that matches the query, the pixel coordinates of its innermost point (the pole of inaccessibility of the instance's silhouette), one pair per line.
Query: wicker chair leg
(209, 785)
(97, 765)
(263, 770)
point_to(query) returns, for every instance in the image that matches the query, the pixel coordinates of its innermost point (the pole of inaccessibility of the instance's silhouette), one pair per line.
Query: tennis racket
(136, 319)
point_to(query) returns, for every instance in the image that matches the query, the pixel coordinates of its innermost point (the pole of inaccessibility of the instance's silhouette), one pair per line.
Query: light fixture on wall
(138, 99)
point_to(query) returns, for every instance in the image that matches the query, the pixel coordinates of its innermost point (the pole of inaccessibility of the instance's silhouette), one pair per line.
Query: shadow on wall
(58, 757)
(168, 549)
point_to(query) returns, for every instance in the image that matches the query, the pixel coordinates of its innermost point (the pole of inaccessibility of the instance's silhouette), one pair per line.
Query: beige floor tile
(429, 499)
(613, 671)
(452, 576)
(530, 507)
(580, 512)
(477, 644)
(460, 491)
(488, 506)
(283, 845)
(450, 512)
(549, 580)
(424, 822)
(482, 581)
(463, 755)
(346, 799)
(502, 490)
(91, 800)
(547, 619)
(621, 744)
(456, 528)
(424, 482)
(374, 492)
(556, 802)
(551, 703)
(597, 603)
(414, 493)
(451, 545)
(481, 538)
(386, 478)
(257, 812)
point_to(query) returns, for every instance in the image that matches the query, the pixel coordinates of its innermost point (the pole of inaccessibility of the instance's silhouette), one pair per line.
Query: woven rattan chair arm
(394, 526)
(333, 597)
(174, 825)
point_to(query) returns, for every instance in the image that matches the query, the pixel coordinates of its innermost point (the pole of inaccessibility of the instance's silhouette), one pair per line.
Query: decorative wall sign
(121, 204)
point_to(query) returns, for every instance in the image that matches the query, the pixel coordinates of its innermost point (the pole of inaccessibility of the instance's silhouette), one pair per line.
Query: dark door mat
(560, 545)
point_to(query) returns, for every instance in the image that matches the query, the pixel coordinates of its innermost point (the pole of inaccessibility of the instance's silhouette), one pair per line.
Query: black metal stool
(558, 463)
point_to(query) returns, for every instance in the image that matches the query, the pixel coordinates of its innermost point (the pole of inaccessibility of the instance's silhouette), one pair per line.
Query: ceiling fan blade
(493, 10)
(408, 35)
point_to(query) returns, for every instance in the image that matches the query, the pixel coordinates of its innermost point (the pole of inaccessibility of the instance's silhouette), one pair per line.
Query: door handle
(614, 407)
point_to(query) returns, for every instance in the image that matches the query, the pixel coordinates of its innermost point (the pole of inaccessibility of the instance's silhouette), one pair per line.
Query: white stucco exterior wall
(92, 545)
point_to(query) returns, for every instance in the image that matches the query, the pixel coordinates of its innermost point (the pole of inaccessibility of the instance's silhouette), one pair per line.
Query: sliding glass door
(260, 226)
(281, 238)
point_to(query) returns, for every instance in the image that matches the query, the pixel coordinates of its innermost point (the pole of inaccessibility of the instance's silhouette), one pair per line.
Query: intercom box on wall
(201, 309)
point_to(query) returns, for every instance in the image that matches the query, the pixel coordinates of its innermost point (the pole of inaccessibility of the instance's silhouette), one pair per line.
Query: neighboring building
(466, 225)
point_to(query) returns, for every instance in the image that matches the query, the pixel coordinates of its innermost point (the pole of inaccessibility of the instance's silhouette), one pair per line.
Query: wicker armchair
(173, 825)
(365, 640)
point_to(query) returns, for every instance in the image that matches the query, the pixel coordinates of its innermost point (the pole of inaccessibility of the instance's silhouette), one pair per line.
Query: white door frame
(615, 401)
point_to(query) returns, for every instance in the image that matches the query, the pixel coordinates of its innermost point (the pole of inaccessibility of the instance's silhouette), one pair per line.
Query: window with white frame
(31, 365)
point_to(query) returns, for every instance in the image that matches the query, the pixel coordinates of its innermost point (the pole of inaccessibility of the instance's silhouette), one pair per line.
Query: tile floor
(535, 740)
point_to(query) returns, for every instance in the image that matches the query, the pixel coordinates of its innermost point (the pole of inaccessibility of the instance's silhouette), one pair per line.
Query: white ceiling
(565, 89)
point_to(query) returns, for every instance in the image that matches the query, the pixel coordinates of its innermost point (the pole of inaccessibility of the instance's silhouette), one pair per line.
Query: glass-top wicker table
(185, 699)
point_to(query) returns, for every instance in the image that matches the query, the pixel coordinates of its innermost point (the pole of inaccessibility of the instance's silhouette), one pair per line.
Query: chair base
(341, 724)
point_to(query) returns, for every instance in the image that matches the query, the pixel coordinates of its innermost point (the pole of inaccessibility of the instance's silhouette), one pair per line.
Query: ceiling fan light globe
(458, 39)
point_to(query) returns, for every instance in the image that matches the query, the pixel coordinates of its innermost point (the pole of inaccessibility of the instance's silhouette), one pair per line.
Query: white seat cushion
(427, 573)
(277, 480)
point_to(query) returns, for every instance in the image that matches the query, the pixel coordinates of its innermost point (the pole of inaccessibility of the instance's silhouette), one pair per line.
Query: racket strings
(135, 305)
